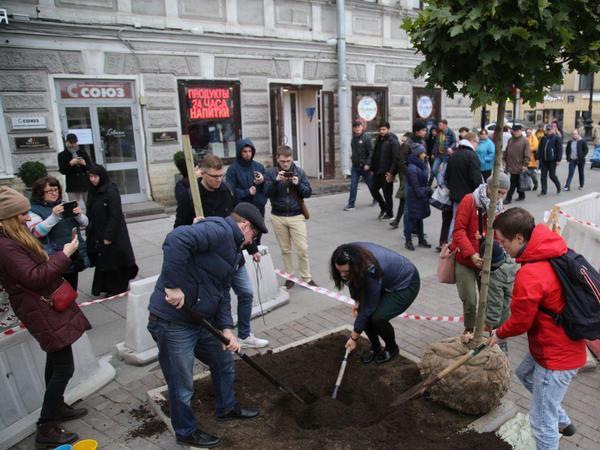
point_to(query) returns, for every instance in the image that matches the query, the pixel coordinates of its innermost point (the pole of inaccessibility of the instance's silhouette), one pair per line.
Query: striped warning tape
(345, 299)
(574, 219)
(21, 327)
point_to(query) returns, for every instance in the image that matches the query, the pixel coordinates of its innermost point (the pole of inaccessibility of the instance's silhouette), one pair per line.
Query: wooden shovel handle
(460, 361)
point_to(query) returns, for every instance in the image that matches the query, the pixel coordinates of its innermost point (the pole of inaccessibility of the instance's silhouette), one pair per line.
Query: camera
(288, 174)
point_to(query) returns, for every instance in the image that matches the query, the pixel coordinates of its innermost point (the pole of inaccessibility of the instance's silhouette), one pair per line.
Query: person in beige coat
(516, 159)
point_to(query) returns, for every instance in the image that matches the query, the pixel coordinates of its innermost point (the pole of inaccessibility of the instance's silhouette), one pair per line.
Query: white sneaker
(253, 342)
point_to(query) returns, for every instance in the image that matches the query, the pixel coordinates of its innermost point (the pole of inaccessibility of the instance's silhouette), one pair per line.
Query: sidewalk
(110, 421)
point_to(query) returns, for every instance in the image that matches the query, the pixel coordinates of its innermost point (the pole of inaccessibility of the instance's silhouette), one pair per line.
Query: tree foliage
(486, 48)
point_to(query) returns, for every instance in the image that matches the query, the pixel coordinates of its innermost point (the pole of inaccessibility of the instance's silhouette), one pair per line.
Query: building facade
(130, 77)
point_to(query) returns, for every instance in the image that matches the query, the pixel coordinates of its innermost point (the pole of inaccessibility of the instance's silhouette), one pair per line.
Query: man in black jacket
(463, 173)
(74, 163)
(362, 151)
(219, 200)
(382, 163)
(549, 154)
(577, 150)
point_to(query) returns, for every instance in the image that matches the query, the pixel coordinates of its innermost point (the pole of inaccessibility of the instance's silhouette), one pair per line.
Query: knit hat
(416, 148)
(503, 181)
(419, 125)
(497, 252)
(12, 203)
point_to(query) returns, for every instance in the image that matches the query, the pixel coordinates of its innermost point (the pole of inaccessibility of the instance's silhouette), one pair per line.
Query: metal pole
(589, 123)
(343, 90)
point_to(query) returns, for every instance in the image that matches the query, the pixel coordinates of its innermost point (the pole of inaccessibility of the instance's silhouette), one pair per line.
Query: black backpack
(581, 284)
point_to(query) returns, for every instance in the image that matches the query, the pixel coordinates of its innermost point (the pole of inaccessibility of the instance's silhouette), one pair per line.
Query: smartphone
(256, 175)
(288, 174)
(69, 207)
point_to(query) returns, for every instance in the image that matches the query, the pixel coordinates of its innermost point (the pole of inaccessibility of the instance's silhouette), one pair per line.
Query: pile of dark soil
(362, 417)
(150, 425)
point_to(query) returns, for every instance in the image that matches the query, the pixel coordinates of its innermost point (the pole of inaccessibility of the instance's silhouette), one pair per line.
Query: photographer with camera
(52, 222)
(247, 177)
(287, 186)
(74, 163)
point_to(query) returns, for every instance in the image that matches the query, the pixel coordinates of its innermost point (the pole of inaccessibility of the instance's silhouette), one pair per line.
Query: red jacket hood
(544, 244)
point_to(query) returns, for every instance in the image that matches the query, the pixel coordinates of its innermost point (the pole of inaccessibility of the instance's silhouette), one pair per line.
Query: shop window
(530, 117)
(210, 115)
(585, 82)
(370, 104)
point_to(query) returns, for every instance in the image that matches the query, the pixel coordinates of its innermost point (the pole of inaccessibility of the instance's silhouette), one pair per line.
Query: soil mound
(362, 417)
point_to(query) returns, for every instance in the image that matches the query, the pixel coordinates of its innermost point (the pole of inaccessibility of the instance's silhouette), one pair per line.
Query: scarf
(483, 201)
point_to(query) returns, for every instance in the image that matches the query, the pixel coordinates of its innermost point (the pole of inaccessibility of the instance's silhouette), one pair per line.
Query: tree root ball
(474, 388)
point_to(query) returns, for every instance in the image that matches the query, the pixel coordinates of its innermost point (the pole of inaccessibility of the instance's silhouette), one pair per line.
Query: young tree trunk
(491, 215)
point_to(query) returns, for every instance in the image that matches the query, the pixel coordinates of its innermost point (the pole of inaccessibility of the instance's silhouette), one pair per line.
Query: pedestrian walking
(549, 155)
(443, 146)
(469, 228)
(286, 186)
(485, 152)
(28, 274)
(417, 197)
(382, 164)
(553, 358)
(577, 150)
(213, 245)
(74, 163)
(430, 146)
(383, 284)
(516, 161)
(533, 164)
(108, 244)
(53, 223)
(362, 152)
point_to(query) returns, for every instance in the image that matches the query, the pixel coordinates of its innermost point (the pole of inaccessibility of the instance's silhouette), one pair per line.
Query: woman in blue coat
(417, 196)
(383, 284)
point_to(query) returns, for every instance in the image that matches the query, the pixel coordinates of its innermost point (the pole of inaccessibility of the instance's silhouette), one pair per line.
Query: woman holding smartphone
(53, 221)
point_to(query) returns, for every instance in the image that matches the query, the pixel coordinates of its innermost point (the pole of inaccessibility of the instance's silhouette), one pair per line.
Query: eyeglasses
(51, 190)
(216, 177)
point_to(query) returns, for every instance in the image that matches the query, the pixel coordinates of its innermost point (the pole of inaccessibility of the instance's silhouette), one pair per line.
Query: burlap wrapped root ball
(474, 388)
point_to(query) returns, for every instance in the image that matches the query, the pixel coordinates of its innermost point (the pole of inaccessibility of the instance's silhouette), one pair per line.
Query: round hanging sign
(367, 108)
(424, 107)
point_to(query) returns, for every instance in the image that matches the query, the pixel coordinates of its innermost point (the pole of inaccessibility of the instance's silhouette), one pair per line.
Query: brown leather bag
(303, 207)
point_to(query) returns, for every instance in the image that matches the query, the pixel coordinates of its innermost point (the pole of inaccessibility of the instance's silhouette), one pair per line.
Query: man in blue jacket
(247, 177)
(287, 186)
(549, 154)
(198, 263)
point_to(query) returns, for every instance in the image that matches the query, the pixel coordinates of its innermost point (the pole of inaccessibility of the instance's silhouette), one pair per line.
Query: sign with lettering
(208, 103)
(24, 123)
(89, 90)
(367, 108)
(164, 137)
(32, 142)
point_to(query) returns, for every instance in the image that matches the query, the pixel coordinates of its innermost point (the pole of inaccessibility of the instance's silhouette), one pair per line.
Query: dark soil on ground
(362, 417)
(150, 425)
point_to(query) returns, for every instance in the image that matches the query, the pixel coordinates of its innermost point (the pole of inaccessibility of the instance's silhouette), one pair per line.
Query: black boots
(200, 439)
(51, 435)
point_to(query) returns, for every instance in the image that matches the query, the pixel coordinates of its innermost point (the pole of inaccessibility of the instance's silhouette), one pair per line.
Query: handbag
(524, 181)
(440, 198)
(60, 299)
(303, 208)
(445, 269)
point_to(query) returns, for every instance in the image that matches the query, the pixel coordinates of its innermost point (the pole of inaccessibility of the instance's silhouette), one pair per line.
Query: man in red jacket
(553, 357)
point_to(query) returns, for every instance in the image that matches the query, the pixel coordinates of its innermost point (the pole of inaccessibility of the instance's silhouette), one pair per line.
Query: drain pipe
(343, 90)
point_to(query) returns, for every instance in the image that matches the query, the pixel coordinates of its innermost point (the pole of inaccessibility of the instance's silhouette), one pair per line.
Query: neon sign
(209, 103)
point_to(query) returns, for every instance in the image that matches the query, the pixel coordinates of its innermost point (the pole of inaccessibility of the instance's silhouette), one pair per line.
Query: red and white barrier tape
(574, 219)
(345, 299)
(21, 327)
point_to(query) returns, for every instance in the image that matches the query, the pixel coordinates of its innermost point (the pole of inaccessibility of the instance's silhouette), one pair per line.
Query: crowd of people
(43, 240)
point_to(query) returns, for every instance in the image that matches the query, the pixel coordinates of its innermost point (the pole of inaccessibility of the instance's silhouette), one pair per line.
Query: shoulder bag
(60, 299)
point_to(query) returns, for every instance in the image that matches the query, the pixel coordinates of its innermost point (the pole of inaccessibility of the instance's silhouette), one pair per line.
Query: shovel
(419, 389)
(219, 335)
(338, 382)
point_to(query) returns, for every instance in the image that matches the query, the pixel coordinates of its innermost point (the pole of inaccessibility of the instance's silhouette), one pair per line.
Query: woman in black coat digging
(109, 247)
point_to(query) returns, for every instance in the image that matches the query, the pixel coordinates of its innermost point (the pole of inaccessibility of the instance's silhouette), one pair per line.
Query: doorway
(302, 118)
(105, 119)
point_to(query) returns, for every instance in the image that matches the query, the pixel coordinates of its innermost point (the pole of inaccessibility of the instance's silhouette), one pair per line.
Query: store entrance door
(107, 127)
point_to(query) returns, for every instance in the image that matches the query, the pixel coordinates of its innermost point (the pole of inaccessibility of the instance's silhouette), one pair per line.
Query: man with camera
(74, 163)
(246, 176)
(287, 186)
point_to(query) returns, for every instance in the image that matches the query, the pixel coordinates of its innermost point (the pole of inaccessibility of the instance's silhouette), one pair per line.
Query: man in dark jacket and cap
(549, 154)
(198, 263)
(362, 151)
(247, 176)
(382, 164)
(74, 163)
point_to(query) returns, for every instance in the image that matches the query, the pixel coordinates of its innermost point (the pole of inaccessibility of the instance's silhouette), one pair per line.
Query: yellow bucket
(86, 444)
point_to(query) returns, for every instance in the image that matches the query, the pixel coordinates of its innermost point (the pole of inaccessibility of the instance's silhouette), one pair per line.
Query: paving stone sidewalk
(110, 421)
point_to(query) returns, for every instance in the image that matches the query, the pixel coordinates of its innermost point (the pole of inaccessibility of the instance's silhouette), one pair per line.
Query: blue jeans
(580, 167)
(178, 345)
(436, 167)
(548, 388)
(356, 172)
(240, 282)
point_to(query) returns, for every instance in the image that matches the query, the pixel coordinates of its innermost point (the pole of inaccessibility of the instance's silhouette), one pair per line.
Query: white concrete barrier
(22, 384)
(139, 348)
